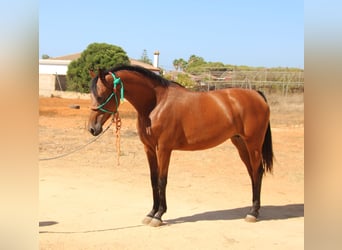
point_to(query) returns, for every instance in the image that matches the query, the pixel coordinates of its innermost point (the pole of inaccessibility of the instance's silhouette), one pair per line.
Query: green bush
(95, 56)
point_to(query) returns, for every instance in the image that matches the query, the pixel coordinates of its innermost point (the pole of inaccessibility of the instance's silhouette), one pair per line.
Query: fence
(284, 82)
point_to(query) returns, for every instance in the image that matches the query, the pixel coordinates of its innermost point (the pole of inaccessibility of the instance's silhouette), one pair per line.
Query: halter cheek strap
(116, 81)
(101, 106)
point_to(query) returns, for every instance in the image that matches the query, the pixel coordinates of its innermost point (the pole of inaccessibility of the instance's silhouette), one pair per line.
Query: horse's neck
(139, 92)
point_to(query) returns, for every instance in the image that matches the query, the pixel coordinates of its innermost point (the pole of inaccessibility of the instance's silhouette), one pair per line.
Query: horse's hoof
(250, 218)
(155, 222)
(147, 220)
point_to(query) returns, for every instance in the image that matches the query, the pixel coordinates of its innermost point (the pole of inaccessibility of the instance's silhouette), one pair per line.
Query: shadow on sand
(282, 212)
(266, 213)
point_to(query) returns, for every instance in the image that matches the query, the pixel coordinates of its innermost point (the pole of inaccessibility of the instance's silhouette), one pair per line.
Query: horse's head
(105, 101)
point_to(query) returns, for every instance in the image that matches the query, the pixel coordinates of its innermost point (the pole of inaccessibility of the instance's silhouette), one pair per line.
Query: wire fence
(267, 81)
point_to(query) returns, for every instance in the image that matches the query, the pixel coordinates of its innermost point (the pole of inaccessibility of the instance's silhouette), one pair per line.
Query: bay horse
(171, 117)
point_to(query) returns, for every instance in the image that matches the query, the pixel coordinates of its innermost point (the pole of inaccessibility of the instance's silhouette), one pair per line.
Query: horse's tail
(267, 151)
(267, 148)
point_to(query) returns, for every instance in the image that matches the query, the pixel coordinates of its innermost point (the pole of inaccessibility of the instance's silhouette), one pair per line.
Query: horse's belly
(200, 142)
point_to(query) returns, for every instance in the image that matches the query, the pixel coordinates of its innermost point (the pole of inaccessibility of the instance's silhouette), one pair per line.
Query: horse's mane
(143, 71)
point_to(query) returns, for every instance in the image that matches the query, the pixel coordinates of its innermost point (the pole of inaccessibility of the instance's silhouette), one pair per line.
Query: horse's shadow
(266, 213)
(282, 212)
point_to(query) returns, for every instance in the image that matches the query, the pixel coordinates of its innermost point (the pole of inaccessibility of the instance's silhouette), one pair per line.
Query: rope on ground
(83, 146)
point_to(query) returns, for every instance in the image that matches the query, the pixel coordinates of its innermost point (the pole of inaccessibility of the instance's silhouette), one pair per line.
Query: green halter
(116, 81)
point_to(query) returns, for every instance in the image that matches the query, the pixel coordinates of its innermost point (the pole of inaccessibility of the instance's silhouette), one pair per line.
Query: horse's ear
(92, 73)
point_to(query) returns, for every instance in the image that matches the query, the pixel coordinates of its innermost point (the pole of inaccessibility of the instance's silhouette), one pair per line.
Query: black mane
(145, 72)
(148, 73)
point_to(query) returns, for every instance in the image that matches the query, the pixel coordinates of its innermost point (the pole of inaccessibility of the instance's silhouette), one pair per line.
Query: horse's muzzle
(95, 130)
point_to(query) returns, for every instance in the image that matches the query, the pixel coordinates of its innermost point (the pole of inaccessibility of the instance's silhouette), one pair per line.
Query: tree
(176, 64)
(45, 56)
(182, 64)
(185, 80)
(195, 64)
(182, 78)
(179, 64)
(95, 56)
(144, 57)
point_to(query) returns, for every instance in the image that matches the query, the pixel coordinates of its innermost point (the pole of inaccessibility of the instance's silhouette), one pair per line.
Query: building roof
(75, 56)
(67, 57)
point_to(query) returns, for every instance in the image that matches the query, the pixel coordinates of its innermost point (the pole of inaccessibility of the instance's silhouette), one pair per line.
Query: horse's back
(246, 96)
(247, 101)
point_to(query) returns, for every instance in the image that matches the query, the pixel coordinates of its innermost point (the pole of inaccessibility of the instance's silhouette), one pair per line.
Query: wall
(46, 84)
(47, 75)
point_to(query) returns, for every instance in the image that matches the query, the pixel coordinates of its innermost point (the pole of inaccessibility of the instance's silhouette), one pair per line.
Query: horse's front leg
(163, 159)
(153, 164)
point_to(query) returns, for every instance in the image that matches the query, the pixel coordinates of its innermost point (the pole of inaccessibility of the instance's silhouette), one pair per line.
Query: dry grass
(293, 102)
(287, 110)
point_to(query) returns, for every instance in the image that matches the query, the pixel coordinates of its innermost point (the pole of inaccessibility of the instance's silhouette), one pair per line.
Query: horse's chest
(145, 131)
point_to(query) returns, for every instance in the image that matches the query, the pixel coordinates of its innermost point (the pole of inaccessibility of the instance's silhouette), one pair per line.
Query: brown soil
(87, 201)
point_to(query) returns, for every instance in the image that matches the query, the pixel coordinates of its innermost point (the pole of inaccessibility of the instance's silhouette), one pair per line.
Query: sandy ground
(87, 201)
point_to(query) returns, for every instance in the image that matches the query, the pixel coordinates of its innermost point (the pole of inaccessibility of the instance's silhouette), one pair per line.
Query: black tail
(267, 151)
(267, 148)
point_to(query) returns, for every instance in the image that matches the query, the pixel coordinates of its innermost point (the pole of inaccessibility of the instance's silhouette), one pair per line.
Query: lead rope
(116, 116)
(117, 121)
(77, 148)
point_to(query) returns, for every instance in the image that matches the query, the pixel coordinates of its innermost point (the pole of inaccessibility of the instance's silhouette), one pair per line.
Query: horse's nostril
(92, 131)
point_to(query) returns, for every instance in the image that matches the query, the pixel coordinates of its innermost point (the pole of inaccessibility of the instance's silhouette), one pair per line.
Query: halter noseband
(116, 81)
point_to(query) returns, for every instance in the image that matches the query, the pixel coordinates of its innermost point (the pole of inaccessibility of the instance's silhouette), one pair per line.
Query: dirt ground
(87, 201)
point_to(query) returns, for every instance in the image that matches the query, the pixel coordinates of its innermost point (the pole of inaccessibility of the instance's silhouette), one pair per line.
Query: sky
(262, 33)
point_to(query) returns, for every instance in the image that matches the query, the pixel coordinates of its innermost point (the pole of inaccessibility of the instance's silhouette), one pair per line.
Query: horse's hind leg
(243, 152)
(255, 173)
(256, 185)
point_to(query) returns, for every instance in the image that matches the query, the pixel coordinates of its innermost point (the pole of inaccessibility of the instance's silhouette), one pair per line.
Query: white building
(52, 75)
(52, 72)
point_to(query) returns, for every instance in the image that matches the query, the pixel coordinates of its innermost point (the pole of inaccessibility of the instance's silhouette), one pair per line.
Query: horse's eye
(99, 99)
